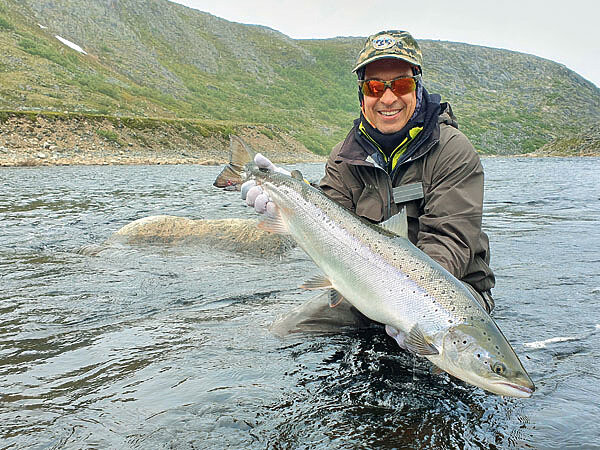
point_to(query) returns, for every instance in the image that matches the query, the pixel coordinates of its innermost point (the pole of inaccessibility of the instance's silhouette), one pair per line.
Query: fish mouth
(518, 390)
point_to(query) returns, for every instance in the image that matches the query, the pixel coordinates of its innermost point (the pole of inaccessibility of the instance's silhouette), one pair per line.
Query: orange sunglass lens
(403, 86)
(373, 88)
(399, 86)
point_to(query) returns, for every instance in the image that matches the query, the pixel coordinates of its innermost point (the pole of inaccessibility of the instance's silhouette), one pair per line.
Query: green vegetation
(215, 74)
(95, 83)
(204, 128)
(108, 135)
(5, 25)
(583, 143)
(35, 47)
(268, 133)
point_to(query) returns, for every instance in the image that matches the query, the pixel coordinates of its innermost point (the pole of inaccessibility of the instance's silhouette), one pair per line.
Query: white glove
(254, 194)
(264, 163)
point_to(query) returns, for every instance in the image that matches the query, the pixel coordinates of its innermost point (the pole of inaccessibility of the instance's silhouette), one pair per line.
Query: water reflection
(362, 391)
(167, 344)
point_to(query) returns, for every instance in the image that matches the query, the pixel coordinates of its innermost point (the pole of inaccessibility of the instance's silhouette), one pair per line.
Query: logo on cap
(383, 42)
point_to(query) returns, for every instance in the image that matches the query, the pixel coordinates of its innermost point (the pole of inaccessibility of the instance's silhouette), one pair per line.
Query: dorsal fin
(397, 224)
(297, 175)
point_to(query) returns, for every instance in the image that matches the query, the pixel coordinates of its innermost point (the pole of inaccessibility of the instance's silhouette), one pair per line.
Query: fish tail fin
(229, 178)
(240, 155)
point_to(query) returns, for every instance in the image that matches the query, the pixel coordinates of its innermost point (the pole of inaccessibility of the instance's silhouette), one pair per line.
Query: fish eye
(499, 368)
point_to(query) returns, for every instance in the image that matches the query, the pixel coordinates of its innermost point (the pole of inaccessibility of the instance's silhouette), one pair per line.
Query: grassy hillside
(159, 59)
(583, 143)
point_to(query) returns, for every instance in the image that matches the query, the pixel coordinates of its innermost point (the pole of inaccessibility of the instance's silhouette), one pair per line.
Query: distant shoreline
(67, 139)
(32, 139)
(104, 157)
(157, 159)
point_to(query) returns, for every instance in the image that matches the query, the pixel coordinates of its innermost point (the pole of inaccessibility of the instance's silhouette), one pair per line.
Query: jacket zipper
(394, 174)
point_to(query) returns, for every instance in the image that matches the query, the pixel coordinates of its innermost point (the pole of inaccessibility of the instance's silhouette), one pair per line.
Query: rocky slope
(37, 139)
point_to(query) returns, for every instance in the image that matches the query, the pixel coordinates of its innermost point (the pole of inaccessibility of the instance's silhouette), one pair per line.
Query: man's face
(389, 113)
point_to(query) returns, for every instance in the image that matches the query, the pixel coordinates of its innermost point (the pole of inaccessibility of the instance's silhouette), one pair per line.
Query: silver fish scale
(412, 287)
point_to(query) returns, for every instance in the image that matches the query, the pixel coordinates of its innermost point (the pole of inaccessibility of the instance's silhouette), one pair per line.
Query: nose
(388, 97)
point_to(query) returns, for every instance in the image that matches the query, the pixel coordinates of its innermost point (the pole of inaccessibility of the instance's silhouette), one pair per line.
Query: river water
(167, 345)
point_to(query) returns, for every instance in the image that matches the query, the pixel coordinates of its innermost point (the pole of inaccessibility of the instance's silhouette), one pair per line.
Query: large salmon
(387, 278)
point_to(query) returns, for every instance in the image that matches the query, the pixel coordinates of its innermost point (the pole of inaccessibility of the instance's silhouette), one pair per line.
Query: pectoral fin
(273, 225)
(416, 343)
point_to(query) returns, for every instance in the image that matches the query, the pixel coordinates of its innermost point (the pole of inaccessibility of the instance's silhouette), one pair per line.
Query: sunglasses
(399, 86)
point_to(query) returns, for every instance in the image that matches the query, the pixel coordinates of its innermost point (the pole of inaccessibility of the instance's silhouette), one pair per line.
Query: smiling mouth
(389, 113)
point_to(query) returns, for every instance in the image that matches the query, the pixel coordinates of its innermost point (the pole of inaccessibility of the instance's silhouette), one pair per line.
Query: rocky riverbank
(31, 139)
(36, 139)
(584, 143)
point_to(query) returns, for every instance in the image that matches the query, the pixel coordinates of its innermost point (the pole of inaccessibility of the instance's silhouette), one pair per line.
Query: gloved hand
(254, 194)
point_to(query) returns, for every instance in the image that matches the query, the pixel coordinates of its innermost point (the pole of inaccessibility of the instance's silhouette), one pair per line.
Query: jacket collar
(357, 150)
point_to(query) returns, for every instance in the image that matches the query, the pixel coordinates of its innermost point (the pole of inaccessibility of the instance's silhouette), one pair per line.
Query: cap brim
(378, 57)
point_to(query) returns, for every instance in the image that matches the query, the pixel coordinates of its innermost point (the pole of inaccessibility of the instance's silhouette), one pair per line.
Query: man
(405, 150)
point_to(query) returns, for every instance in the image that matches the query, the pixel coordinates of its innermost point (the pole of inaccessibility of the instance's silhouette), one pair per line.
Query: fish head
(481, 355)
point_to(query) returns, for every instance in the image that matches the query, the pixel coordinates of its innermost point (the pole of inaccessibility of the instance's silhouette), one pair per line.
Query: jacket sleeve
(333, 182)
(450, 227)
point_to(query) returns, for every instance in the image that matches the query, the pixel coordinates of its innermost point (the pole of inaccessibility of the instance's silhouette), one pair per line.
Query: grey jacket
(441, 186)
